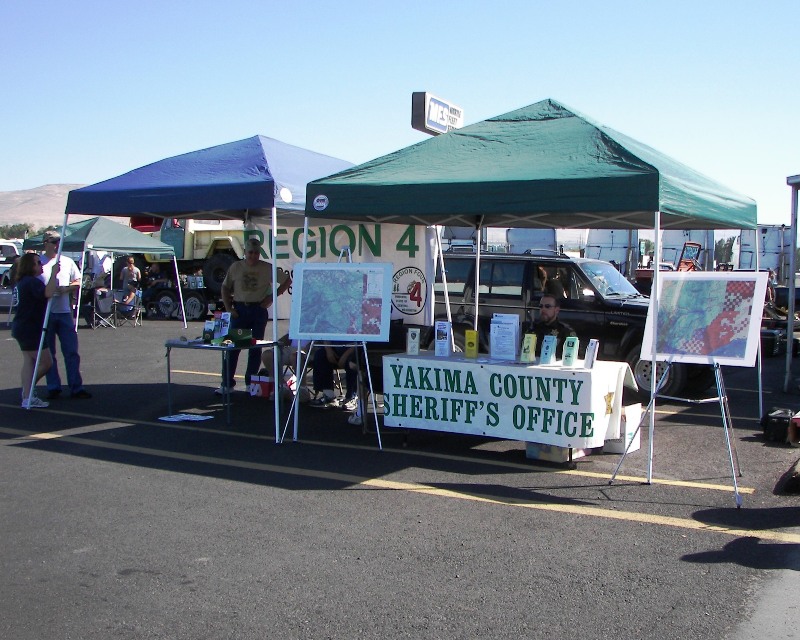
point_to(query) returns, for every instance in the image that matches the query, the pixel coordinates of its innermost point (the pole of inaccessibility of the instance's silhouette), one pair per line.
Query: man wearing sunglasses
(61, 322)
(549, 324)
(247, 295)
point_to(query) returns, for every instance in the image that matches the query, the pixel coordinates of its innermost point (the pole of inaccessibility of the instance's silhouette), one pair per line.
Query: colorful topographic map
(705, 317)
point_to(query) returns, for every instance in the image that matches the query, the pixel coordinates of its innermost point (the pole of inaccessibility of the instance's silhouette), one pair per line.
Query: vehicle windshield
(607, 280)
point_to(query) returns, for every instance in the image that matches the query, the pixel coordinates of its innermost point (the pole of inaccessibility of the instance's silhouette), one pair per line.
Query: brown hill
(40, 207)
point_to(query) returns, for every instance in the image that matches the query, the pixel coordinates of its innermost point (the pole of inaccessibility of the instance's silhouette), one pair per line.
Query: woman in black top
(32, 294)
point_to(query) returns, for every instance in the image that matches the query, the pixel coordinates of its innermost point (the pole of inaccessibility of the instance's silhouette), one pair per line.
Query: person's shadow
(751, 552)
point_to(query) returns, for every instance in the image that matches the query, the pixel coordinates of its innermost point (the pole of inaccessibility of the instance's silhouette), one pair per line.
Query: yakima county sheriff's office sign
(433, 115)
(565, 407)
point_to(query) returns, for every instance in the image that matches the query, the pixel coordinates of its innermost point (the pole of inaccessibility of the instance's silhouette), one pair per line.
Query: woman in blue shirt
(32, 294)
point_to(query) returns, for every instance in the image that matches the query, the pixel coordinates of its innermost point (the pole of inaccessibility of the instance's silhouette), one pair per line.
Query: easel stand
(293, 410)
(727, 424)
(362, 406)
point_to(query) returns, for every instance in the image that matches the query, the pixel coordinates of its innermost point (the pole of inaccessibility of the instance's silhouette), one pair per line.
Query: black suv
(599, 303)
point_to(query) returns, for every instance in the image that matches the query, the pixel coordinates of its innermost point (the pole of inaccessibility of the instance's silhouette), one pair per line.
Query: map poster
(347, 302)
(707, 317)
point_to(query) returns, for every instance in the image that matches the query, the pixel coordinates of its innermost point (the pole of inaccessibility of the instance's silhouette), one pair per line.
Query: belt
(250, 304)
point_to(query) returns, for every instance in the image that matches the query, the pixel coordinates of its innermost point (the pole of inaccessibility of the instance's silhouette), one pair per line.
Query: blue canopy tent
(254, 178)
(236, 181)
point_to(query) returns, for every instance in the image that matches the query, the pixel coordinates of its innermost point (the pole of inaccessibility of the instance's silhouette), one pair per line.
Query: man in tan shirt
(247, 294)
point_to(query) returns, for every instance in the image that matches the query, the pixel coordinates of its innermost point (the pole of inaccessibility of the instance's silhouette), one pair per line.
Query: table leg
(169, 384)
(226, 391)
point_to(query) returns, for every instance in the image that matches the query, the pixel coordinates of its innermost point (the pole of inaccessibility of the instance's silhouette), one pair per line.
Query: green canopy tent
(102, 234)
(544, 165)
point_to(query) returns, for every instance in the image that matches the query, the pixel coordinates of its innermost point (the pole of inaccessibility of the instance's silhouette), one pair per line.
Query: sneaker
(83, 394)
(350, 404)
(325, 402)
(221, 391)
(34, 403)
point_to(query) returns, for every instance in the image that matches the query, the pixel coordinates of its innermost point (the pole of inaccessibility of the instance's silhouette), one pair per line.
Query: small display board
(347, 302)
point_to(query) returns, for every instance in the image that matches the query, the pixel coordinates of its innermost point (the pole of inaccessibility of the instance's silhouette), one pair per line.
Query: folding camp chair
(102, 309)
(124, 314)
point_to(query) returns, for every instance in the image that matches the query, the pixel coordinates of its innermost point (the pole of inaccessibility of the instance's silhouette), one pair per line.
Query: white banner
(560, 406)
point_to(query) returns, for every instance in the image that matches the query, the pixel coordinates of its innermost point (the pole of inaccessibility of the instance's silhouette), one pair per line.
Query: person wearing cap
(247, 295)
(127, 305)
(61, 322)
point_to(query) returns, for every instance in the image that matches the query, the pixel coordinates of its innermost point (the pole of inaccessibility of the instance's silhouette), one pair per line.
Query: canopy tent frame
(242, 180)
(101, 234)
(543, 165)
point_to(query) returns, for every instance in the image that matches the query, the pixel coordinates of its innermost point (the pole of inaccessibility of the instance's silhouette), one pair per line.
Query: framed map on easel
(707, 317)
(343, 301)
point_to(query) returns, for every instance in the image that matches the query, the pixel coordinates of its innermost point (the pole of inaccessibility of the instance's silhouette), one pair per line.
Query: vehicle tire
(676, 378)
(166, 304)
(215, 269)
(195, 305)
(700, 378)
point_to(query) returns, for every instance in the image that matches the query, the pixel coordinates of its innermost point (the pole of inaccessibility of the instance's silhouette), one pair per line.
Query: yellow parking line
(377, 483)
(525, 467)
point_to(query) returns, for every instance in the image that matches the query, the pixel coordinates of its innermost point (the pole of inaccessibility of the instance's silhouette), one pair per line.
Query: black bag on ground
(775, 424)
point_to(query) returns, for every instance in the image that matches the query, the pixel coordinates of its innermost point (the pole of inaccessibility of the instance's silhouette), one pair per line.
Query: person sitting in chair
(127, 306)
(326, 360)
(287, 358)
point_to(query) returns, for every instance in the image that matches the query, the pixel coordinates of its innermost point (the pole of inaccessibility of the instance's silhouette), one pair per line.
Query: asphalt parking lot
(116, 524)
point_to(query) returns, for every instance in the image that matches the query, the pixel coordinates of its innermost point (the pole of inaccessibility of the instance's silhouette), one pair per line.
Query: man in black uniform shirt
(549, 324)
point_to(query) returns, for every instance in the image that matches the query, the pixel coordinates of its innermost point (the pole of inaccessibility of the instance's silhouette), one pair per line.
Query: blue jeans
(63, 326)
(322, 371)
(253, 317)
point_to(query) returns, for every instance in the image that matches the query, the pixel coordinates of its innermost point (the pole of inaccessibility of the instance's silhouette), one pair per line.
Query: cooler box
(261, 386)
(629, 421)
(550, 453)
(770, 342)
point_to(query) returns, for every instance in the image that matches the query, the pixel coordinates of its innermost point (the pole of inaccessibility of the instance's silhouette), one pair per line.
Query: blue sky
(94, 89)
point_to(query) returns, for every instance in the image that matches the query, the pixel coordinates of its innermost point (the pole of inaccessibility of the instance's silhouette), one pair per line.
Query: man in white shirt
(61, 322)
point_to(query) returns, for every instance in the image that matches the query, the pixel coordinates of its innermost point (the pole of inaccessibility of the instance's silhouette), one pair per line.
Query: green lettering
(492, 417)
(559, 383)
(533, 418)
(348, 232)
(408, 241)
(397, 369)
(587, 429)
(424, 382)
(373, 244)
(518, 417)
(452, 380)
(399, 405)
(494, 386)
(430, 409)
(575, 387)
(410, 383)
(469, 384)
(543, 389)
